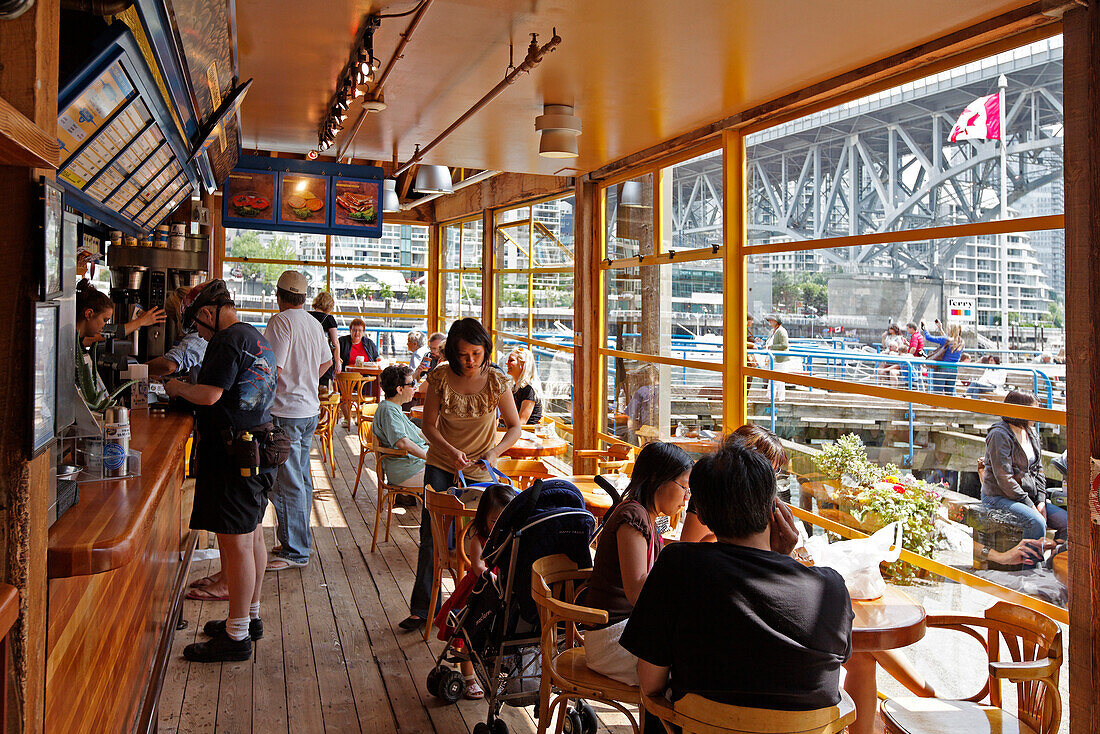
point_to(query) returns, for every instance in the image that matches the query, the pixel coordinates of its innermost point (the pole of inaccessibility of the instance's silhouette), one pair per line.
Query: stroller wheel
(589, 722)
(434, 679)
(498, 727)
(482, 728)
(451, 686)
(572, 723)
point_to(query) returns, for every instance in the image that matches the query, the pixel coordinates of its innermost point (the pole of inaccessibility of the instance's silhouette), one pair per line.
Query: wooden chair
(697, 715)
(351, 387)
(326, 424)
(366, 420)
(555, 582)
(387, 492)
(1034, 643)
(617, 458)
(447, 516)
(524, 472)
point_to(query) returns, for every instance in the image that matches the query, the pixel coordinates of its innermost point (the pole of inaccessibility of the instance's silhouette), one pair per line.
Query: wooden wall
(28, 82)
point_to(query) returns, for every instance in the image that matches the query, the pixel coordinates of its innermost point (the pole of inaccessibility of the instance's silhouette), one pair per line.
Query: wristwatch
(984, 555)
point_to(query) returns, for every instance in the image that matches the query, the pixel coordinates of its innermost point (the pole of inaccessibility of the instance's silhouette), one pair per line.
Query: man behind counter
(234, 392)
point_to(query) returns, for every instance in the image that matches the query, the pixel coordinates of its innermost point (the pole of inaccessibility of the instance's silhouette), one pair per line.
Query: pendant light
(631, 196)
(433, 180)
(390, 201)
(559, 128)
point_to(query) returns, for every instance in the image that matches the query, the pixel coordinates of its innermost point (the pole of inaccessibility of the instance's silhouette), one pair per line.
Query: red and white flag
(981, 120)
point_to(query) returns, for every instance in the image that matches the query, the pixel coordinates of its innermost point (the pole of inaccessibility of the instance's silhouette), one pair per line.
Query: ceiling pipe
(476, 178)
(376, 92)
(535, 54)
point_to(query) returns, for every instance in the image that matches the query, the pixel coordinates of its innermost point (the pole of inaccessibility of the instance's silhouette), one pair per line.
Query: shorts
(226, 502)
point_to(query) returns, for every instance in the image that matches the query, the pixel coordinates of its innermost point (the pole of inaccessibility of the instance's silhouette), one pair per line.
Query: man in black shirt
(234, 392)
(740, 621)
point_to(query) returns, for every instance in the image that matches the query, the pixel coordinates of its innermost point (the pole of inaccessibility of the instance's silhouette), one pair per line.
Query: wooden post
(588, 378)
(488, 274)
(28, 82)
(433, 281)
(734, 393)
(1081, 79)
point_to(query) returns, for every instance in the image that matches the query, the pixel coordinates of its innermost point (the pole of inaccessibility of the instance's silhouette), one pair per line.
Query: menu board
(249, 195)
(356, 203)
(303, 200)
(120, 151)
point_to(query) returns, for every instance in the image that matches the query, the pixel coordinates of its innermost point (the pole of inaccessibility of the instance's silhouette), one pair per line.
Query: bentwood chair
(326, 424)
(1034, 644)
(697, 715)
(352, 389)
(451, 521)
(387, 492)
(524, 472)
(617, 458)
(366, 421)
(555, 584)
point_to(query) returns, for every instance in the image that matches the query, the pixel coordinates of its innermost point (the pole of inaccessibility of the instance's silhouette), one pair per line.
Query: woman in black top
(323, 305)
(525, 387)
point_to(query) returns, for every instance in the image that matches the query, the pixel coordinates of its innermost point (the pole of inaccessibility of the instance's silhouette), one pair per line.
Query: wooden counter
(116, 572)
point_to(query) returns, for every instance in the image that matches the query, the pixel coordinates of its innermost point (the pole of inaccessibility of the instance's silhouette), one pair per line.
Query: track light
(433, 180)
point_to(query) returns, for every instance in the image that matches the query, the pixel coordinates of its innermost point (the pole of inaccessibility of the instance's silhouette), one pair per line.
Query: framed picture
(53, 212)
(356, 206)
(303, 200)
(249, 198)
(44, 404)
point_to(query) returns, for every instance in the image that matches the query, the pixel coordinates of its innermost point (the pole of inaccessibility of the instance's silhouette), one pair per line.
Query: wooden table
(417, 412)
(887, 623)
(695, 445)
(596, 501)
(530, 447)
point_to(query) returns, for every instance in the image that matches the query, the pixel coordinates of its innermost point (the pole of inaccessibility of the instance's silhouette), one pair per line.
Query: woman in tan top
(460, 420)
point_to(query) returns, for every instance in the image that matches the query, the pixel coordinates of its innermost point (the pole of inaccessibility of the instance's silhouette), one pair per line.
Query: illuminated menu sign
(113, 148)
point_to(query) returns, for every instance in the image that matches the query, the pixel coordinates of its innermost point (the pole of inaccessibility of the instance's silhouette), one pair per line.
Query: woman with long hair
(526, 388)
(460, 423)
(755, 437)
(628, 546)
(950, 349)
(1013, 479)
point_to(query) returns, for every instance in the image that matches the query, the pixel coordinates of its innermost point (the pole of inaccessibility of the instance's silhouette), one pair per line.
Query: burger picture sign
(357, 205)
(304, 200)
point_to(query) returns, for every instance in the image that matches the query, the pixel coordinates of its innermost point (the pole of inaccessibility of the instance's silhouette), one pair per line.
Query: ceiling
(637, 71)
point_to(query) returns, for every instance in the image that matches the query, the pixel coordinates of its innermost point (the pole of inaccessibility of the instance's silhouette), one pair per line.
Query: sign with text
(962, 311)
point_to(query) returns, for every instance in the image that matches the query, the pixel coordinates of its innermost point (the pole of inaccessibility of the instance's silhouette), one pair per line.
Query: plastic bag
(857, 560)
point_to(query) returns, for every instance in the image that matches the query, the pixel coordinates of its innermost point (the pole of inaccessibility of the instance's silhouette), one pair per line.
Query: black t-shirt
(743, 626)
(527, 392)
(239, 361)
(327, 322)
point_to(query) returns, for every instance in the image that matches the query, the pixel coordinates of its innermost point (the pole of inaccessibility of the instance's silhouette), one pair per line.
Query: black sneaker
(411, 623)
(215, 627)
(220, 648)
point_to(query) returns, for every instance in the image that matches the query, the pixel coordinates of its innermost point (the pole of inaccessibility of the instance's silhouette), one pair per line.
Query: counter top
(109, 525)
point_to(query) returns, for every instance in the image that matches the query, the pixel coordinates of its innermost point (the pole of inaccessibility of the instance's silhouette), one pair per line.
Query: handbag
(460, 489)
(938, 355)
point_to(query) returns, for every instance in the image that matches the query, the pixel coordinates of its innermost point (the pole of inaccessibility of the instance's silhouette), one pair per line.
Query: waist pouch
(274, 444)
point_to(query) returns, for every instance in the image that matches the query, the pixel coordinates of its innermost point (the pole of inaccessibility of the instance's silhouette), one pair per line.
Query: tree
(1056, 314)
(382, 292)
(809, 289)
(417, 292)
(248, 245)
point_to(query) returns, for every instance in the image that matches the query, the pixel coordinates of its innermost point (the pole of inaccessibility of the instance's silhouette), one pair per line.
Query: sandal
(205, 581)
(204, 594)
(282, 564)
(473, 690)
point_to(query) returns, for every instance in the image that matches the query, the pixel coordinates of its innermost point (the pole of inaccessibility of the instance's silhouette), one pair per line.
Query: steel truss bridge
(884, 163)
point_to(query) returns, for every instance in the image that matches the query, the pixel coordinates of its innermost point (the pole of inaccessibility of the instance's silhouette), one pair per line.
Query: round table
(530, 447)
(370, 369)
(887, 623)
(695, 445)
(596, 501)
(417, 412)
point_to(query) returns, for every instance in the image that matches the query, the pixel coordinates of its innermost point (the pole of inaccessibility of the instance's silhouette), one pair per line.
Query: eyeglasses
(687, 489)
(410, 384)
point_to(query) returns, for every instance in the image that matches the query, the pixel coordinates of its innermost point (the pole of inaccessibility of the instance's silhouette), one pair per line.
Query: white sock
(237, 628)
(254, 611)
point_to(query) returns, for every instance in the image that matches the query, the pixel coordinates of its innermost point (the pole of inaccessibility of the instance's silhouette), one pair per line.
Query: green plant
(848, 457)
(86, 384)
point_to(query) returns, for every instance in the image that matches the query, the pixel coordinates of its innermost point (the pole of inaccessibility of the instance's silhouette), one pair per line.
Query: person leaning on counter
(185, 356)
(234, 394)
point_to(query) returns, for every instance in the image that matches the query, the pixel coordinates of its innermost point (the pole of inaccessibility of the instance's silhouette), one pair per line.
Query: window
(383, 281)
(460, 274)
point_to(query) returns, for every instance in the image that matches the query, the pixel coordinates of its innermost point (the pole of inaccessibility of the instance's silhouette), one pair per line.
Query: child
(493, 501)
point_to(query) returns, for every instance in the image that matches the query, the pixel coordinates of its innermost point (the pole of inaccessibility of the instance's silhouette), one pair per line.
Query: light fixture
(390, 201)
(559, 128)
(631, 196)
(433, 180)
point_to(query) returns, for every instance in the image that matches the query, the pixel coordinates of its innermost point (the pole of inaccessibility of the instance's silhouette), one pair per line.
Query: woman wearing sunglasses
(628, 545)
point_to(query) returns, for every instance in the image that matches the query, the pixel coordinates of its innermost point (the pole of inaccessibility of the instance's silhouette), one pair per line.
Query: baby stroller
(498, 629)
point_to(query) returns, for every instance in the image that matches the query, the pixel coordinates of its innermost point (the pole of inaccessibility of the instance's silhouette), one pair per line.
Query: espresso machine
(141, 278)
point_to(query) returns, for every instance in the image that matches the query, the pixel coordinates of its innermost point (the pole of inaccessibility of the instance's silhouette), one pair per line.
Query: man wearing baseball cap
(234, 394)
(302, 354)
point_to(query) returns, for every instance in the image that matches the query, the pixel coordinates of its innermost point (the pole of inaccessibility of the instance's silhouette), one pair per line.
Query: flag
(981, 120)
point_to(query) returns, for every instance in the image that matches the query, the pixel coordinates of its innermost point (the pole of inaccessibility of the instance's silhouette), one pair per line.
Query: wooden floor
(332, 658)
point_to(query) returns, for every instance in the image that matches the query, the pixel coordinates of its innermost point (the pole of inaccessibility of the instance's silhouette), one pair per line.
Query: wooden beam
(433, 281)
(588, 392)
(1001, 32)
(22, 143)
(488, 277)
(1081, 83)
(735, 291)
(28, 84)
(403, 187)
(501, 191)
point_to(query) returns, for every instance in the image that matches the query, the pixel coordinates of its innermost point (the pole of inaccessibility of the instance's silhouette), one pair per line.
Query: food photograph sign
(356, 206)
(303, 200)
(249, 197)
